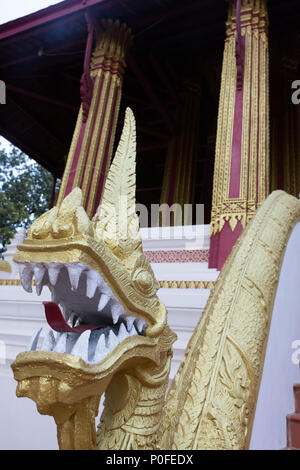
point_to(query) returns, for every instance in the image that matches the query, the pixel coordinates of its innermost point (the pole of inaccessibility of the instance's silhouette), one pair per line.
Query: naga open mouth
(92, 322)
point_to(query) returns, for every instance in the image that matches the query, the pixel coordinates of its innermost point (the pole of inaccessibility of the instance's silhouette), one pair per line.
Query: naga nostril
(62, 230)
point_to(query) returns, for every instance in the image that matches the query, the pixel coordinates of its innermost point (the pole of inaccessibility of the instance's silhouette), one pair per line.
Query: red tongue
(57, 322)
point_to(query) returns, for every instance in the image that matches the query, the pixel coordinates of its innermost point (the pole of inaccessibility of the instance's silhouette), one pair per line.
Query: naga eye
(143, 281)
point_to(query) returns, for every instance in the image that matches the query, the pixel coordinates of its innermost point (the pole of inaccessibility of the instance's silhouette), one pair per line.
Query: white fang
(102, 302)
(81, 347)
(53, 272)
(93, 280)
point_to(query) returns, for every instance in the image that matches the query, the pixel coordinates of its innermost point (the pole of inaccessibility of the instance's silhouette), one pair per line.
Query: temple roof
(41, 61)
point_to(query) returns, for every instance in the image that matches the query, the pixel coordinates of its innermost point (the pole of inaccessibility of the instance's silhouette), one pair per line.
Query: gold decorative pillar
(179, 176)
(242, 145)
(91, 149)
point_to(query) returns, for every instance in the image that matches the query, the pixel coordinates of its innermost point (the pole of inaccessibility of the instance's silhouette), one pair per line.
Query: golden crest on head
(110, 243)
(68, 220)
(116, 221)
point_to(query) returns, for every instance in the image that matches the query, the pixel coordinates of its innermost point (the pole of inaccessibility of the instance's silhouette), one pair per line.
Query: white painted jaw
(85, 299)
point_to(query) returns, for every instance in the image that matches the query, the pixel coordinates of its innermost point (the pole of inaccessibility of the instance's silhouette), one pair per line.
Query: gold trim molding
(162, 284)
(12, 282)
(186, 284)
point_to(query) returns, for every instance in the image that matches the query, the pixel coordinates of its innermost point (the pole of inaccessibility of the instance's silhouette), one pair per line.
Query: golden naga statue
(113, 337)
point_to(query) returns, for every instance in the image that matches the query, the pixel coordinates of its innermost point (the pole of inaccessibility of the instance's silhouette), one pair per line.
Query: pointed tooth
(123, 333)
(27, 283)
(49, 341)
(74, 271)
(129, 322)
(100, 351)
(75, 321)
(21, 267)
(39, 271)
(61, 344)
(102, 302)
(116, 311)
(71, 340)
(133, 331)
(93, 280)
(34, 340)
(106, 290)
(38, 288)
(81, 347)
(94, 338)
(71, 319)
(53, 272)
(112, 341)
(26, 274)
(140, 324)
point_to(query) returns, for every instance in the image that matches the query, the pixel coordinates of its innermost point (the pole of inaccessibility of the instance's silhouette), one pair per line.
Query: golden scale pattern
(211, 402)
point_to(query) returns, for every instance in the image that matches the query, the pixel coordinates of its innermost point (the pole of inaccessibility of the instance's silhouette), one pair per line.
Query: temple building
(213, 87)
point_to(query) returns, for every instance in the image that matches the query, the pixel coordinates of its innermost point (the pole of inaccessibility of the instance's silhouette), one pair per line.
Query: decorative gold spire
(241, 172)
(92, 144)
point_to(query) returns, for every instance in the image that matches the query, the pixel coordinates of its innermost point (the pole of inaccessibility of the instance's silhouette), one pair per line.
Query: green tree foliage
(25, 192)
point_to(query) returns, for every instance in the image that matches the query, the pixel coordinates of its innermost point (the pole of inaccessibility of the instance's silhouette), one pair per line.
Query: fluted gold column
(241, 171)
(179, 175)
(92, 144)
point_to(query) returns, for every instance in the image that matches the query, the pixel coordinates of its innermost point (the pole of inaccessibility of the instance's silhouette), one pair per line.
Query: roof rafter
(37, 122)
(150, 92)
(38, 96)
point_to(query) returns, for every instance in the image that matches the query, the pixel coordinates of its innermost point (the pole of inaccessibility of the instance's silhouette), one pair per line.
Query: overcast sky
(12, 9)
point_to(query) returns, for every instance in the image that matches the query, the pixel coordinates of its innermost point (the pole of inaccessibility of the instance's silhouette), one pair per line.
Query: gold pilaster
(250, 176)
(92, 144)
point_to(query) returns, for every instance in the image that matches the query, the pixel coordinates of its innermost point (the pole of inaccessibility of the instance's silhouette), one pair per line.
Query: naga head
(105, 315)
